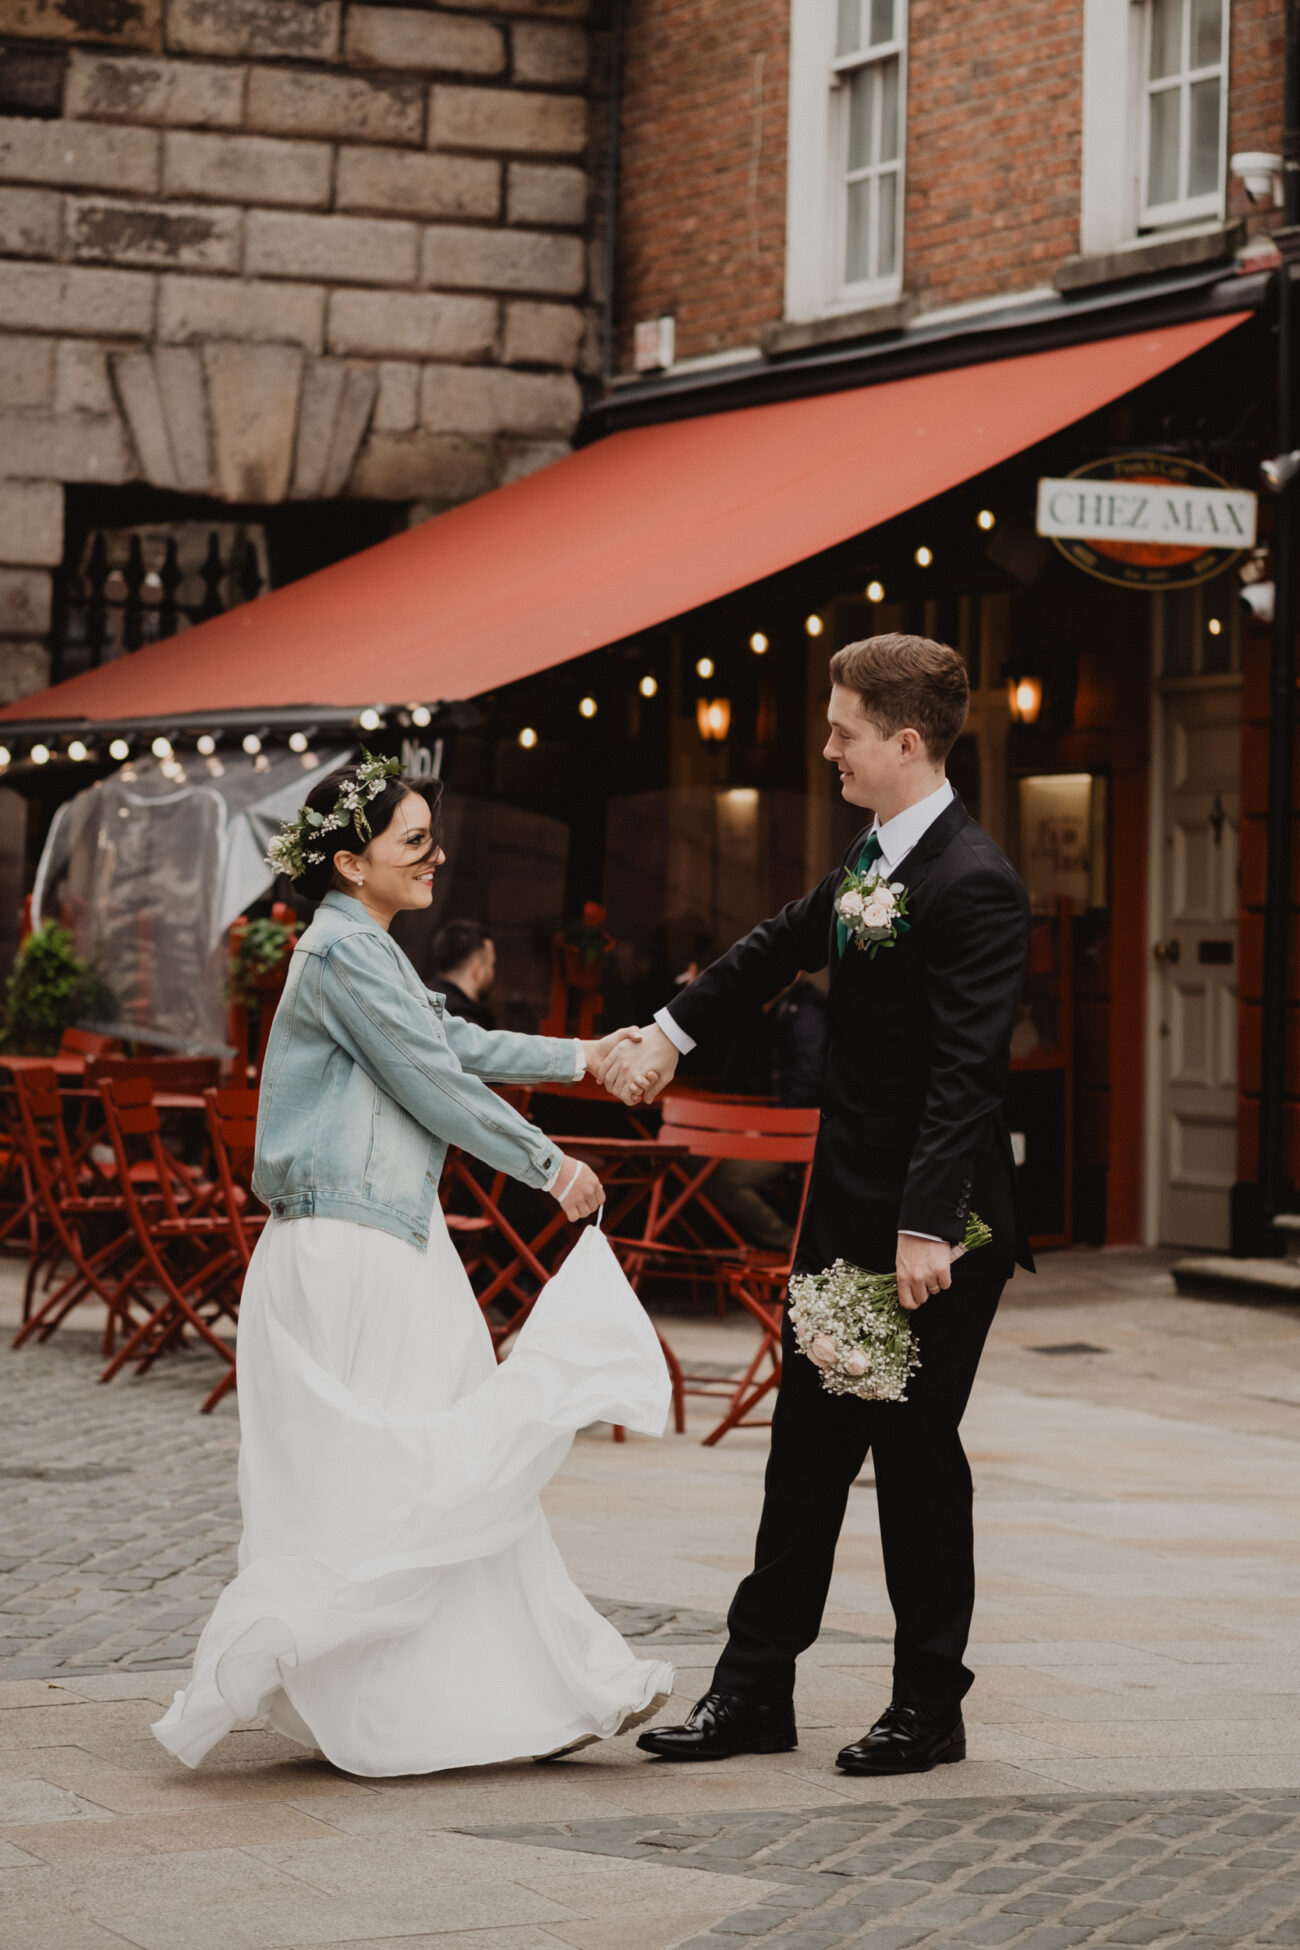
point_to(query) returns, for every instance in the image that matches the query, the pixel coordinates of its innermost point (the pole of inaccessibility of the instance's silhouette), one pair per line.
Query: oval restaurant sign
(1147, 521)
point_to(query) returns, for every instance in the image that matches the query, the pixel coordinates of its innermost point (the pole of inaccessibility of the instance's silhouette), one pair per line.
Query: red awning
(624, 534)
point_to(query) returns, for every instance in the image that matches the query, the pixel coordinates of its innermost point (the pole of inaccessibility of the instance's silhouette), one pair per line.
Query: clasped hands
(634, 1065)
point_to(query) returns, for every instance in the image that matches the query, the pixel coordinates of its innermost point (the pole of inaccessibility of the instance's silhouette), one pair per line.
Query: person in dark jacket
(465, 961)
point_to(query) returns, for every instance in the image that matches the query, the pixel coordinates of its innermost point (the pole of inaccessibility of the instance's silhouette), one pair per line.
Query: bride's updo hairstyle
(317, 878)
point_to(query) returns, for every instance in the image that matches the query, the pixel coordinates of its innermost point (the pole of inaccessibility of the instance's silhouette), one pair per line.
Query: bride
(400, 1603)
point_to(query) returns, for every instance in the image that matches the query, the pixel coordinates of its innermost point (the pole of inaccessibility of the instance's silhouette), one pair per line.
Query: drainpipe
(612, 135)
(1277, 914)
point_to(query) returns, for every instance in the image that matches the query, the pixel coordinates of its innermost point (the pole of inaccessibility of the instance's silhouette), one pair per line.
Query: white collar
(900, 834)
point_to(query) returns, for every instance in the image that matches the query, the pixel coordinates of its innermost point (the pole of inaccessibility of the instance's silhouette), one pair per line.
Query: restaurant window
(1184, 87)
(1197, 630)
(845, 165)
(867, 135)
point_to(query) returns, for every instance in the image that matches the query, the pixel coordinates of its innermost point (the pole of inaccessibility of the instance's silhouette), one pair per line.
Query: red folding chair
(73, 1203)
(185, 1241)
(232, 1130)
(715, 1129)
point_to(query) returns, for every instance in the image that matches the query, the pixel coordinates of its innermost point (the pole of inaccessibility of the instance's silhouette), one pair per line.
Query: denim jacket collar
(348, 907)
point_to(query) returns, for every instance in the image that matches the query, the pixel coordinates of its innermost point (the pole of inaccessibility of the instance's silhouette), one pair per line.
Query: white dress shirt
(897, 838)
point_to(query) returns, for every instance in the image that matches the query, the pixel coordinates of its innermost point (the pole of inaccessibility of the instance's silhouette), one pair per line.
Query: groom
(912, 1140)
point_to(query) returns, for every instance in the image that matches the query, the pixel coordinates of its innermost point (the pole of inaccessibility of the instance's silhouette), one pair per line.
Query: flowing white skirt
(400, 1603)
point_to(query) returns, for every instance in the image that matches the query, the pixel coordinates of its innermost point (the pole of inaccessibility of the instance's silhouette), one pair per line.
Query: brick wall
(259, 249)
(702, 179)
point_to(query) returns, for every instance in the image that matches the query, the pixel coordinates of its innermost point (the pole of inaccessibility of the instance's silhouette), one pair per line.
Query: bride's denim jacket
(367, 1081)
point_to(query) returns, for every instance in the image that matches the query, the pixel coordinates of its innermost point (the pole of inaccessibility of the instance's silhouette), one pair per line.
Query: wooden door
(1196, 955)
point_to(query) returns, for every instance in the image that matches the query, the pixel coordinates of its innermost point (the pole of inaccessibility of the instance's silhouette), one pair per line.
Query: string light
(161, 748)
(421, 715)
(813, 624)
(77, 751)
(985, 519)
(5, 756)
(40, 754)
(587, 706)
(252, 744)
(704, 668)
(369, 719)
(1214, 626)
(207, 744)
(298, 741)
(528, 737)
(758, 643)
(875, 592)
(649, 685)
(119, 749)
(924, 557)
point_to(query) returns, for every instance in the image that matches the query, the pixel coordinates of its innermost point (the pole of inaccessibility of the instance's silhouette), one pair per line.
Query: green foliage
(50, 990)
(262, 947)
(590, 943)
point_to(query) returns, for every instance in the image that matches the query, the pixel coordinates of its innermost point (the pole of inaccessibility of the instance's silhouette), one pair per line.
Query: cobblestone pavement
(1186, 1872)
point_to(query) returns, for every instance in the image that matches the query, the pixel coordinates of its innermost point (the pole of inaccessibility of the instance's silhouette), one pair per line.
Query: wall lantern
(1025, 694)
(713, 717)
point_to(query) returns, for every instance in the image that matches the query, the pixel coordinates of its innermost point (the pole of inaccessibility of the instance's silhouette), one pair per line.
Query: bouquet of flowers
(852, 1325)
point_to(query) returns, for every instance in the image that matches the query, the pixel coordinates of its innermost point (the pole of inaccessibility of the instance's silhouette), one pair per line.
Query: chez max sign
(1147, 520)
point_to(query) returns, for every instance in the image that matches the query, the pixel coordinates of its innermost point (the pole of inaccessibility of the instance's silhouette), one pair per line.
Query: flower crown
(291, 851)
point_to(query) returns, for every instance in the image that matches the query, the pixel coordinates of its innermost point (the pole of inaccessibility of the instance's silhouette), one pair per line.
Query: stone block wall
(265, 249)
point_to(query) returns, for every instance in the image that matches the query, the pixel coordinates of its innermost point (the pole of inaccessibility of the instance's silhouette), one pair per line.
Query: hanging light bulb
(985, 519)
(206, 745)
(704, 667)
(649, 685)
(119, 749)
(813, 624)
(587, 706)
(875, 591)
(528, 737)
(924, 557)
(40, 754)
(5, 756)
(369, 719)
(421, 715)
(161, 748)
(1214, 626)
(758, 643)
(77, 751)
(297, 741)
(252, 744)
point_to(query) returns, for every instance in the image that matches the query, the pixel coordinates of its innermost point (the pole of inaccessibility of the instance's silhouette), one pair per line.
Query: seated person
(465, 964)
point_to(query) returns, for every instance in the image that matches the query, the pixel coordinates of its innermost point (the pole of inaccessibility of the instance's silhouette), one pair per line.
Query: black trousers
(923, 1493)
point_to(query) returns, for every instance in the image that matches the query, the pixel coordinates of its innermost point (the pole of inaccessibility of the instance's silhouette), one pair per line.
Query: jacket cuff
(674, 1032)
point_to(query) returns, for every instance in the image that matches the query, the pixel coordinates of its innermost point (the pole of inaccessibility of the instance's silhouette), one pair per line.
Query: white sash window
(1184, 92)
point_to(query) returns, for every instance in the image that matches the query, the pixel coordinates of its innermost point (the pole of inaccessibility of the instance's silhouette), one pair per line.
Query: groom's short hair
(907, 680)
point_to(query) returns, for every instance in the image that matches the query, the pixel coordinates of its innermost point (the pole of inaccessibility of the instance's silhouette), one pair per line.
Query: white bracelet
(561, 1196)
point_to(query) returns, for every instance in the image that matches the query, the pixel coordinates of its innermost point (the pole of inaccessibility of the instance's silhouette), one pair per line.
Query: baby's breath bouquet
(852, 1325)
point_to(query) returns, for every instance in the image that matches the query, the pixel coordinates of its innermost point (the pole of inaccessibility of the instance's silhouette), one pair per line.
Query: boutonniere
(873, 909)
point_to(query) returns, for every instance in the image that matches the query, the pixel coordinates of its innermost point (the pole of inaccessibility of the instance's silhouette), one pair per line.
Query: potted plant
(51, 988)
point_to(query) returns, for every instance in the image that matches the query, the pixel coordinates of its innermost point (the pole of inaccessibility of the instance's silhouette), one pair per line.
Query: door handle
(1168, 951)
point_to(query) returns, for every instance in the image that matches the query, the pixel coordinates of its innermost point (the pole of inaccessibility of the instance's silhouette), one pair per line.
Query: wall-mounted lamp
(1025, 694)
(713, 717)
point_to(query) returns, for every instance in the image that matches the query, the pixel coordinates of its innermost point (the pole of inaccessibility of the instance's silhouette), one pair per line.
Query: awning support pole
(1277, 912)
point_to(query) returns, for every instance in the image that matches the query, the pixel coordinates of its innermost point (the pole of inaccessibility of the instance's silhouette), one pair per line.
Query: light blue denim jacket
(367, 1081)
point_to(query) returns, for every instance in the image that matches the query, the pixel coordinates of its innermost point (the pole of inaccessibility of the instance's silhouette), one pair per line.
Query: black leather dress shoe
(723, 1724)
(906, 1740)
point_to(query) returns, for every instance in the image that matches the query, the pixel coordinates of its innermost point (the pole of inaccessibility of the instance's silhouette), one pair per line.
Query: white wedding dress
(400, 1603)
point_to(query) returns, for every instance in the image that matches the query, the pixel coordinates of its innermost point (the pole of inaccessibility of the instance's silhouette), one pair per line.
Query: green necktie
(867, 858)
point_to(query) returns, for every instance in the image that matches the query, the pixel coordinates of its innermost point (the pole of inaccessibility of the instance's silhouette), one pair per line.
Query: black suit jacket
(912, 1133)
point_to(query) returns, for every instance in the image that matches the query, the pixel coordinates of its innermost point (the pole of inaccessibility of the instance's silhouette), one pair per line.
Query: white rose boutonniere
(873, 909)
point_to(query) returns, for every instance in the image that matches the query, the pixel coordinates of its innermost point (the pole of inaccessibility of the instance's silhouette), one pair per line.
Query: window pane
(882, 21)
(857, 244)
(887, 225)
(1207, 33)
(862, 103)
(889, 111)
(1182, 628)
(848, 35)
(1203, 167)
(1166, 37)
(1216, 645)
(1162, 161)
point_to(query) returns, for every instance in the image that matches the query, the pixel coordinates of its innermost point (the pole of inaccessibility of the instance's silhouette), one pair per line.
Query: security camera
(1257, 597)
(1260, 173)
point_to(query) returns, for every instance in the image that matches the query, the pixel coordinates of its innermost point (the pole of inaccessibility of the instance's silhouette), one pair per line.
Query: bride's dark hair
(316, 880)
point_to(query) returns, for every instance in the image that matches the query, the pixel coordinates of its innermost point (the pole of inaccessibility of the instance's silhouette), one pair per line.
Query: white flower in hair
(287, 852)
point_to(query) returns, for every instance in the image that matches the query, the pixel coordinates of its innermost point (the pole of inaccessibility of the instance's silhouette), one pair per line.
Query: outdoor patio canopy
(615, 538)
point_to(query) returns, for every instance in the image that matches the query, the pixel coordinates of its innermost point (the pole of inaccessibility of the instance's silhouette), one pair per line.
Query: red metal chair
(186, 1243)
(232, 1130)
(187, 1075)
(714, 1129)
